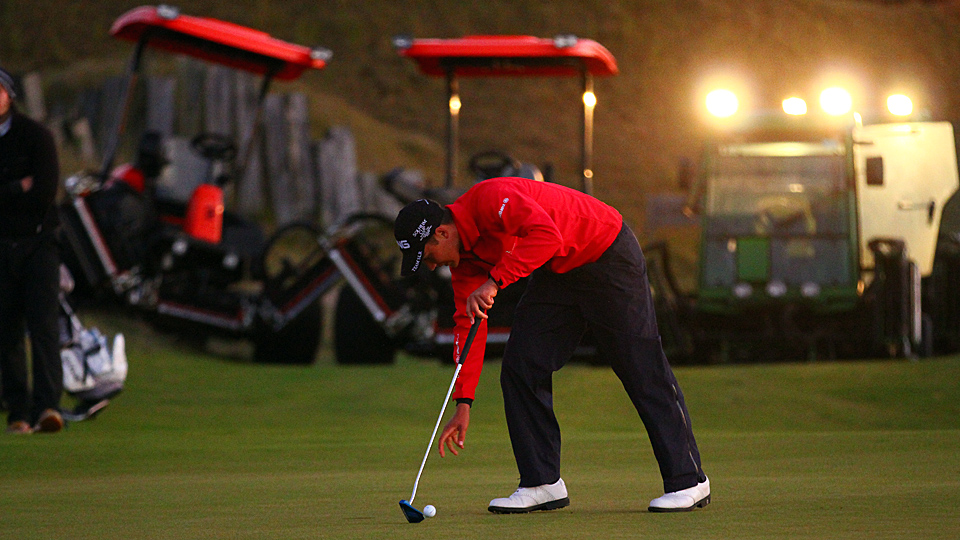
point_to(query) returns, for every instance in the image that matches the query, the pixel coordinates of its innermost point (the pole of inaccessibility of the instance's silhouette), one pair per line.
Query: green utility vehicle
(822, 237)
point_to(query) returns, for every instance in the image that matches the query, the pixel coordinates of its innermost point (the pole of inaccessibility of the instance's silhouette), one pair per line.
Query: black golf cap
(415, 225)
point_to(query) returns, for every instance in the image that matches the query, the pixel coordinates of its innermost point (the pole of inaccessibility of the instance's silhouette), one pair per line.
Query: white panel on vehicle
(912, 174)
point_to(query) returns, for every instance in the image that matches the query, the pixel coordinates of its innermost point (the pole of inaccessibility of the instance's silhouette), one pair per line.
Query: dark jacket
(27, 150)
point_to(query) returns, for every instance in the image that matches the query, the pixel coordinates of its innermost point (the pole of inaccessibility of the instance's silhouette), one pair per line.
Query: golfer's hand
(481, 300)
(455, 431)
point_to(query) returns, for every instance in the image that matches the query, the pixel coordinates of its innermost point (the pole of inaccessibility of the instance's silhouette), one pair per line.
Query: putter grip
(466, 344)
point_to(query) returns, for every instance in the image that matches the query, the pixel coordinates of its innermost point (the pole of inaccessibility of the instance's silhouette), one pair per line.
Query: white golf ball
(429, 510)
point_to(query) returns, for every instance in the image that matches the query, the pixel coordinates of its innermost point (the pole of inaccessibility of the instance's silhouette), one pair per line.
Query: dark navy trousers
(29, 290)
(612, 298)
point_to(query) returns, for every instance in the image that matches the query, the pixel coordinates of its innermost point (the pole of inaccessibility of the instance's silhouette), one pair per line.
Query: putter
(412, 514)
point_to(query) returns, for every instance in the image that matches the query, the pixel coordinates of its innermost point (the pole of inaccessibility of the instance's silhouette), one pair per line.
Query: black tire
(358, 338)
(289, 251)
(295, 344)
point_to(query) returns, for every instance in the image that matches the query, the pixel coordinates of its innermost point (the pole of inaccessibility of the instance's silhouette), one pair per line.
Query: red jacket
(508, 228)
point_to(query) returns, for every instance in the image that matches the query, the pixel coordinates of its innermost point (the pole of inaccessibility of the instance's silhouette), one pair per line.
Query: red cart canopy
(217, 41)
(484, 56)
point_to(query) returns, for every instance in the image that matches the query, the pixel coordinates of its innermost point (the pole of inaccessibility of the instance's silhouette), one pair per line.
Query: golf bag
(92, 372)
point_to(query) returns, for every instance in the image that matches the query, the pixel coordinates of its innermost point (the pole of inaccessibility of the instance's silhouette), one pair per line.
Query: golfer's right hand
(481, 300)
(455, 432)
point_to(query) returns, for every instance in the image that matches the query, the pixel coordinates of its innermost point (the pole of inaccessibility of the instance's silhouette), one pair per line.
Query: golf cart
(193, 264)
(380, 312)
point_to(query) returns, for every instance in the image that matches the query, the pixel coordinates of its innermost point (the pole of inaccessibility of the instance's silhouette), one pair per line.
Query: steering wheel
(779, 213)
(214, 146)
(493, 163)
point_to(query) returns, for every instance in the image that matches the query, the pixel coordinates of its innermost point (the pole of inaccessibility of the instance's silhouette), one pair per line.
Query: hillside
(647, 117)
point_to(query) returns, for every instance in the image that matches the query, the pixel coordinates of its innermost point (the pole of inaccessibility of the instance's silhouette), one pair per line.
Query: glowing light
(742, 290)
(795, 106)
(836, 101)
(899, 105)
(776, 288)
(454, 104)
(589, 99)
(810, 289)
(722, 103)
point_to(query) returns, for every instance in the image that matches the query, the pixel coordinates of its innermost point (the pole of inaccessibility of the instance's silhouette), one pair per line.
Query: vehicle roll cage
(220, 42)
(512, 56)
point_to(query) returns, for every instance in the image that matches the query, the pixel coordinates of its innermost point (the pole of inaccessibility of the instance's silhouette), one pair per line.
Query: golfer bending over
(586, 270)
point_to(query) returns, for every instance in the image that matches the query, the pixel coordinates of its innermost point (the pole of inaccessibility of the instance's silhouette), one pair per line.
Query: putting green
(200, 447)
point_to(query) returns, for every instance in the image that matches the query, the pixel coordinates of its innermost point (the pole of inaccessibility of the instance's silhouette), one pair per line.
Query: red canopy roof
(217, 41)
(481, 56)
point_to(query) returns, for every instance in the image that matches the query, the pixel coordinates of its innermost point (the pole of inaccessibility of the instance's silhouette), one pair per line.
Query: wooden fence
(279, 168)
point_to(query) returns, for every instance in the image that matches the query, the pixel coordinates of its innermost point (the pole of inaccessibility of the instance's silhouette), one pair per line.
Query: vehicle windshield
(754, 191)
(778, 211)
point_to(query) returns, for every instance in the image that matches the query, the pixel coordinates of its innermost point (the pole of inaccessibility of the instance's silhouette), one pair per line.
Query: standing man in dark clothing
(29, 269)
(586, 271)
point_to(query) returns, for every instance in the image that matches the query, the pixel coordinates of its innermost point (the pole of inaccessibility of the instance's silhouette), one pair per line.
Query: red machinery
(197, 263)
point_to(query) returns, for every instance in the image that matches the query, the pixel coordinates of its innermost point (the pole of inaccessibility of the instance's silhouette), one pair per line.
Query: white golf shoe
(684, 500)
(545, 497)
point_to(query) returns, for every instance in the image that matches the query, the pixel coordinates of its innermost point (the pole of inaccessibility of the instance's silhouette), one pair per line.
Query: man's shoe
(50, 422)
(19, 428)
(545, 497)
(684, 500)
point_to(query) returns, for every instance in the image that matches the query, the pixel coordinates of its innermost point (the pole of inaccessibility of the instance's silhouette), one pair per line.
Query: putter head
(413, 515)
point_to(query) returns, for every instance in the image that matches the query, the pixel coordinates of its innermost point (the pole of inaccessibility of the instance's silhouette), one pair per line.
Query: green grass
(199, 447)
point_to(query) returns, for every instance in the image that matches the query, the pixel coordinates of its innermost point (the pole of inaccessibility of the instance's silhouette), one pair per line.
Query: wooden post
(82, 132)
(161, 98)
(249, 190)
(337, 163)
(111, 96)
(275, 137)
(33, 95)
(219, 89)
(300, 162)
(191, 75)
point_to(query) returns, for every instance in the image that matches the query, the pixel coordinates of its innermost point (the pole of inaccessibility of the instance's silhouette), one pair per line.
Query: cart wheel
(289, 252)
(295, 343)
(358, 338)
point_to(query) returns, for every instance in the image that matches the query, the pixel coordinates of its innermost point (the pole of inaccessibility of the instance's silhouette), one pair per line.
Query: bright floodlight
(589, 99)
(722, 103)
(795, 106)
(454, 104)
(899, 105)
(836, 101)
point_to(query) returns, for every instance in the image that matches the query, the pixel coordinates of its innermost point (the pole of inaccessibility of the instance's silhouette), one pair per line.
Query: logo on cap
(416, 265)
(423, 230)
